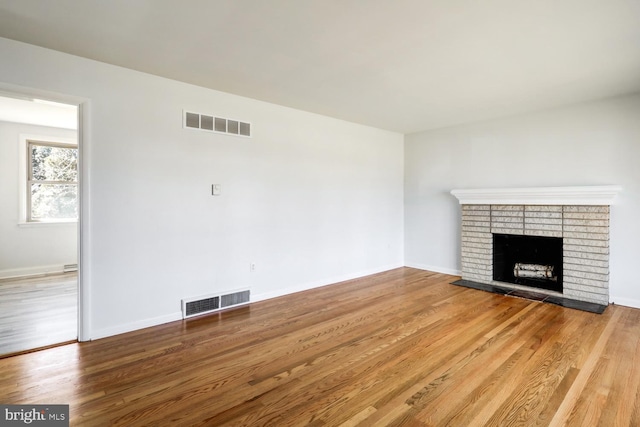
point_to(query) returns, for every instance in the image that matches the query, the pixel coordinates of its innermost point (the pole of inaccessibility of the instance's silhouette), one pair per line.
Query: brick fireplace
(579, 216)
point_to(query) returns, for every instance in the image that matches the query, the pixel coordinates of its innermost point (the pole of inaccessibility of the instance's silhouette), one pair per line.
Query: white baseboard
(155, 321)
(434, 268)
(30, 271)
(134, 326)
(120, 329)
(321, 283)
(627, 302)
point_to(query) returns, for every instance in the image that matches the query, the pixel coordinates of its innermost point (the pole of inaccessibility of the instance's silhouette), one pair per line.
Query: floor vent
(212, 123)
(211, 303)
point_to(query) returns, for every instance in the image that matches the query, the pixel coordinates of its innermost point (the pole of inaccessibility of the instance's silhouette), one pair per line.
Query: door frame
(83, 246)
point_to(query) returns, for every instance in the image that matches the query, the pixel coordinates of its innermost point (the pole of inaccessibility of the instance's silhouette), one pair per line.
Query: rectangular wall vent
(204, 305)
(68, 268)
(211, 303)
(212, 123)
(234, 299)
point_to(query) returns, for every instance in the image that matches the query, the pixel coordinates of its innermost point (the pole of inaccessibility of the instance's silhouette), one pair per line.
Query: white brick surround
(585, 233)
(583, 226)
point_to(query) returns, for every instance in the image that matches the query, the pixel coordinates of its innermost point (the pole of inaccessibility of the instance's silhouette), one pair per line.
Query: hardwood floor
(38, 312)
(402, 347)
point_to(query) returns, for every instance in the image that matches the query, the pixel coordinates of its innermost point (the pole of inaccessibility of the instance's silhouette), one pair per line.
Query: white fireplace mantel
(580, 195)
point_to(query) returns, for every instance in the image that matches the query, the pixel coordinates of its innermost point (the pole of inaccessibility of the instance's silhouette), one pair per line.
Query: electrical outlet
(252, 267)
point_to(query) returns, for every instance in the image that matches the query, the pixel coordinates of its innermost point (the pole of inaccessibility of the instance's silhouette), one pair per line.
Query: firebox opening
(528, 260)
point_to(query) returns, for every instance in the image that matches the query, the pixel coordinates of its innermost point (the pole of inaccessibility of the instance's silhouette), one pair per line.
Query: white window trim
(23, 141)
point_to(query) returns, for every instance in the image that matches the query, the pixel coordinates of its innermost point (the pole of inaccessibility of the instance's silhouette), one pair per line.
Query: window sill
(48, 223)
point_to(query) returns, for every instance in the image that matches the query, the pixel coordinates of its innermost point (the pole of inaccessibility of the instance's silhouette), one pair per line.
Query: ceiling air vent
(212, 123)
(211, 303)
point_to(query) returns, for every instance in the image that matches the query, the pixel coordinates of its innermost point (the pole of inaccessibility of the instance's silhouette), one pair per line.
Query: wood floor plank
(561, 417)
(37, 312)
(465, 375)
(399, 348)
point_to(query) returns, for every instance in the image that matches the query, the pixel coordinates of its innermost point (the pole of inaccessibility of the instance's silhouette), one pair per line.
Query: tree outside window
(52, 190)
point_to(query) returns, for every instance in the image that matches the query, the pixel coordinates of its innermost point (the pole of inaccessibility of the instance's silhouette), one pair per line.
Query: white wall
(309, 199)
(37, 248)
(588, 144)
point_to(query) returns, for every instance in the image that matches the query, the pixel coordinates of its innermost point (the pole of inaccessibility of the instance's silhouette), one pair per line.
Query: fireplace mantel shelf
(581, 195)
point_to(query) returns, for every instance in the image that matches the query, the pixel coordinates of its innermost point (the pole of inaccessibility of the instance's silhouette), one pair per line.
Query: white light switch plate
(216, 189)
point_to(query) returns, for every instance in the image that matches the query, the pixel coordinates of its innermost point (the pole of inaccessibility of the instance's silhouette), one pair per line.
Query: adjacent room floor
(38, 312)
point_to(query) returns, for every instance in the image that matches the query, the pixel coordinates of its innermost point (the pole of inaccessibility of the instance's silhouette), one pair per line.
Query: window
(52, 181)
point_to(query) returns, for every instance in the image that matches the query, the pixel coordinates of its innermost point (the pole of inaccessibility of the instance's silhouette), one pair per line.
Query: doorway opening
(39, 217)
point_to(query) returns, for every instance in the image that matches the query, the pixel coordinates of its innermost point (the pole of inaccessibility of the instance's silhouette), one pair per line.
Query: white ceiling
(40, 112)
(402, 65)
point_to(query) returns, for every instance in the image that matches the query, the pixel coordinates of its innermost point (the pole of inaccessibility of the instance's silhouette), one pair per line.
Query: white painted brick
(583, 215)
(587, 296)
(476, 224)
(548, 227)
(469, 219)
(501, 225)
(586, 229)
(583, 288)
(472, 214)
(475, 272)
(542, 233)
(486, 238)
(583, 275)
(586, 268)
(476, 245)
(543, 208)
(586, 209)
(543, 220)
(476, 207)
(475, 229)
(475, 220)
(506, 220)
(551, 216)
(586, 261)
(496, 208)
(469, 266)
(467, 258)
(485, 245)
(586, 249)
(586, 282)
(585, 236)
(475, 256)
(514, 225)
(480, 235)
(470, 261)
(474, 261)
(519, 232)
(482, 278)
(507, 214)
(586, 242)
(586, 222)
(583, 256)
